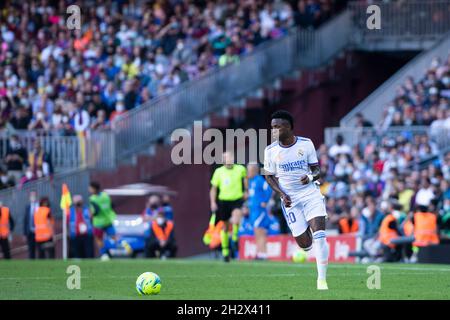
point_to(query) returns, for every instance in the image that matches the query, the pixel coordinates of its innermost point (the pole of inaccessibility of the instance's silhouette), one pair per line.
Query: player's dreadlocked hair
(283, 114)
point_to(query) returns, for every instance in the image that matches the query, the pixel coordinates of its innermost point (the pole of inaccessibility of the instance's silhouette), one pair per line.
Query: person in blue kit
(274, 226)
(246, 225)
(259, 194)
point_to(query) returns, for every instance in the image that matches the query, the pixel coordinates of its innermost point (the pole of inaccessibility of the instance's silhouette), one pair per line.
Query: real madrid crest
(300, 152)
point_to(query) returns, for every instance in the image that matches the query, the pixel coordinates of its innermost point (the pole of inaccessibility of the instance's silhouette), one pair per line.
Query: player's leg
(304, 240)
(315, 213)
(261, 227)
(296, 221)
(98, 235)
(261, 241)
(100, 245)
(321, 250)
(224, 214)
(236, 216)
(225, 239)
(100, 241)
(111, 232)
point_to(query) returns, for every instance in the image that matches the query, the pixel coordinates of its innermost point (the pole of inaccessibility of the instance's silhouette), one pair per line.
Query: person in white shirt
(291, 168)
(425, 193)
(339, 148)
(81, 118)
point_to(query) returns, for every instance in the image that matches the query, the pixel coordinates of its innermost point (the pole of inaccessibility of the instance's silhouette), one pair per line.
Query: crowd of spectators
(395, 171)
(68, 82)
(370, 179)
(379, 170)
(422, 102)
(125, 54)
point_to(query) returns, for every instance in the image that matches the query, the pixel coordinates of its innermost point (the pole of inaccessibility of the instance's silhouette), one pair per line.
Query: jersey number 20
(290, 217)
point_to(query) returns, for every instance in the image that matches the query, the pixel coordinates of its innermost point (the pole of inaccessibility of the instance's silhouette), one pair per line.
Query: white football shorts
(298, 215)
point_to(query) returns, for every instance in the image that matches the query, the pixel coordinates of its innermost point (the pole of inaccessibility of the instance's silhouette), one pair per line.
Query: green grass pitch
(202, 279)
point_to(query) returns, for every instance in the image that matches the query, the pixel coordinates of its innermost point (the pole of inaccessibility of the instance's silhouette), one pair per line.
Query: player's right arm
(273, 182)
(269, 175)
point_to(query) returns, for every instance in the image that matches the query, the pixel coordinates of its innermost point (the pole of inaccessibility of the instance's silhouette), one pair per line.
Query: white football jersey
(289, 164)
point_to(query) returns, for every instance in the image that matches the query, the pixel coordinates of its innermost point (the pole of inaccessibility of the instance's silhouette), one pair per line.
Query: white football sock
(321, 251)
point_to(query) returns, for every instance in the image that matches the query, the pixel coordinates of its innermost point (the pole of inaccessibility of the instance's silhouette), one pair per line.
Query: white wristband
(310, 177)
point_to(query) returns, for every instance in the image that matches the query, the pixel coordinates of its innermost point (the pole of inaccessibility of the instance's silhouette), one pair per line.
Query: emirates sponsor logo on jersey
(294, 165)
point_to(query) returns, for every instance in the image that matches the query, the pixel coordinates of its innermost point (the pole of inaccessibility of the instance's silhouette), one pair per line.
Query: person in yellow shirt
(130, 68)
(228, 185)
(404, 196)
(228, 57)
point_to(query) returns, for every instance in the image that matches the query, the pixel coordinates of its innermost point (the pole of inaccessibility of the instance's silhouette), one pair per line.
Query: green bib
(106, 214)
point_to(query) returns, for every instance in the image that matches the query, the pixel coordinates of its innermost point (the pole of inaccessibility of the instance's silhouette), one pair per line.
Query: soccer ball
(148, 283)
(299, 256)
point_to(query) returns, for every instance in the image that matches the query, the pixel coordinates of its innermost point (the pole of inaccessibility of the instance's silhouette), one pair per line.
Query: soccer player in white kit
(291, 169)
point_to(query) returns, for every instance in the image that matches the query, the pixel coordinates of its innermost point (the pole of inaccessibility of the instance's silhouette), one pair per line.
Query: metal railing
(17, 199)
(64, 151)
(101, 150)
(97, 150)
(401, 21)
(354, 136)
(372, 106)
(221, 87)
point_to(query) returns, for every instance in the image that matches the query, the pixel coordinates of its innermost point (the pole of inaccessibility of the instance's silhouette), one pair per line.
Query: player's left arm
(313, 176)
(313, 164)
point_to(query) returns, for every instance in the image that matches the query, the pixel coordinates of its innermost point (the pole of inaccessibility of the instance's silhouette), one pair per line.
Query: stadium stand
(63, 83)
(170, 67)
(406, 167)
(423, 102)
(126, 55)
